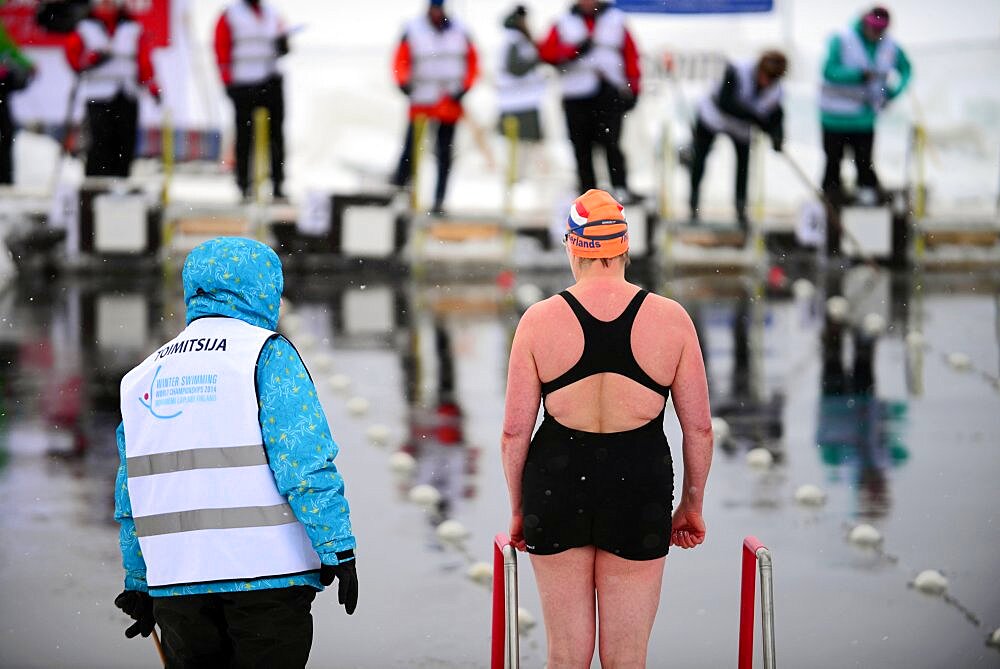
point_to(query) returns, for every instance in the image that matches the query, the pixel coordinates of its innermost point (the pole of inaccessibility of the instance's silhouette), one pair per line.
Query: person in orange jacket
(435, 66)
(113, 57)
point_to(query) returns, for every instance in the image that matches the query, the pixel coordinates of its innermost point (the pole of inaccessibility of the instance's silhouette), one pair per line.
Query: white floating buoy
(810, 495)
(837, 308)
(720, 430)
(527, 294)
(323, 362)
(452, 531)
(959, 362)
(290, 323)
(759, 458)
(306, 341)
(480, 572)
(402, 463)
(915, 339)
(865, 536)
(931, 581)
(525, 621)
(803, 289)
(340, 382)
(425, 495)
(873, 324)
(357, 405)
(378, 434)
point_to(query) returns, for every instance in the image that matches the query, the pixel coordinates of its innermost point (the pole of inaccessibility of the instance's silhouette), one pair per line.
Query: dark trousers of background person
(860, 144)
(6, 142)
(703, 138)
(444, 145)
(257, 628)
(112, 126)
(246, 99)
(593, 122)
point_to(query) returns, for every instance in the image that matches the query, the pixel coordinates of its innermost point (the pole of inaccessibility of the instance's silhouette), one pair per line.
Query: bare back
(608, 402)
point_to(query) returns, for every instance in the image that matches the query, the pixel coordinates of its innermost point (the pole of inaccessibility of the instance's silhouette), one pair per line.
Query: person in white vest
(232, 511)
(114, 60)
(521, 83)
(864, 70)
(250, 37)
(749, 95)
(598, 65)
(435, 65)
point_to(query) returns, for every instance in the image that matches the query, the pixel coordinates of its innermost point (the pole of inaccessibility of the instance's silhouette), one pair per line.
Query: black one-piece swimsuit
(612, 490)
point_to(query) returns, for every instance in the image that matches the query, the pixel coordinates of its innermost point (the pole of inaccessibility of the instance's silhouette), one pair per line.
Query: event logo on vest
(204, 499)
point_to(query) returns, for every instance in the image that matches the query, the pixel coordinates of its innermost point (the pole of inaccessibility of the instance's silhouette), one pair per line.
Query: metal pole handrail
(756, 554)
(505, 653)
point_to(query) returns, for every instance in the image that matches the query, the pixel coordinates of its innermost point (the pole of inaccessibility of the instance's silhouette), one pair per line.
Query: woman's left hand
(517, 532)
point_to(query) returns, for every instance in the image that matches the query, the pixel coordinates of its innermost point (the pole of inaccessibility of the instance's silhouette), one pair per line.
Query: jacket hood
(234, 277)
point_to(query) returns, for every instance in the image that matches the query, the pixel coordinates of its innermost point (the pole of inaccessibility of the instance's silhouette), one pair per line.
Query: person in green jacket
(864, 71)
(15, 73)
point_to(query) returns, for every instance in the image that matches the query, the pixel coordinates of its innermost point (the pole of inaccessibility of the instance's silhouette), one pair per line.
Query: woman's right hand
(688, 528)
(517, 532)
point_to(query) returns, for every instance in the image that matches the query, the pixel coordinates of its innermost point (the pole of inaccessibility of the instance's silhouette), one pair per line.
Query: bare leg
(628, 594)
(566, 586)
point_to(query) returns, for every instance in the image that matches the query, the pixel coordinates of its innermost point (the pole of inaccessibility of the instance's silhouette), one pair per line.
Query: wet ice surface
(431, 361)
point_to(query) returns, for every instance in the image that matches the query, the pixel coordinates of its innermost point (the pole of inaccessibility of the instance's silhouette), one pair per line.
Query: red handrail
(748, 594)
(500, 541)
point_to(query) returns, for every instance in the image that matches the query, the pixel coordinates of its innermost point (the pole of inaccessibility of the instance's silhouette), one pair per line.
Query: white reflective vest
(204, 499)
(762, 103)
(439, 60)
(581, 78)
(850, 99)
(120, 72)
(519, 92)
(254, 52)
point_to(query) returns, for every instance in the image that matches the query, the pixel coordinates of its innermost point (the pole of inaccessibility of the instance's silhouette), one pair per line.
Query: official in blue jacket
(232, 511)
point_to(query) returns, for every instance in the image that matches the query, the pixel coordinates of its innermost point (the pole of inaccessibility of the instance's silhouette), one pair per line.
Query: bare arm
(690, 392)
(520, 413)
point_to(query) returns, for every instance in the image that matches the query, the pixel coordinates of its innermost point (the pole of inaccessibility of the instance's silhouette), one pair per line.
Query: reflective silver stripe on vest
(214, 519)
(196, 458)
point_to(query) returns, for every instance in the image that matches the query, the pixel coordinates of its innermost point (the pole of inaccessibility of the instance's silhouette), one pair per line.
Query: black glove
(346, 572)
(102, 58)
(139, 607)
(628, 99)
(406, 88)
(457, 97)
(281, 45)
(777, 141)
(584, 47)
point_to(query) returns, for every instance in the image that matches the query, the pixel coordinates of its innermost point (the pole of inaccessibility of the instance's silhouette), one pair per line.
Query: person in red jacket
(113, 57)
(435, 66)
(598, 65)
(250, 37)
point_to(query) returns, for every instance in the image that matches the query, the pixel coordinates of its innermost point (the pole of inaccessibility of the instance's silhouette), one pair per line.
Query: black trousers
(444, 145)
(6, 142)
(112, 126)
(593, 122)
(703, 139)
(247, 98)
(860, 144)
(256, 628)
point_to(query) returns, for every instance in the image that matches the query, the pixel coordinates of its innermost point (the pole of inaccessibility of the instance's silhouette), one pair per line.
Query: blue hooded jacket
(241, 278)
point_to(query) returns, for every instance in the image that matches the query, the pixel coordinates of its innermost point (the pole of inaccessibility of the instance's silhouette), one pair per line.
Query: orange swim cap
(596, 227)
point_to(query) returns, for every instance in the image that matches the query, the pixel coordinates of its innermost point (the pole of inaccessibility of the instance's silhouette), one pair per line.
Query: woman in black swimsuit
(592, 490)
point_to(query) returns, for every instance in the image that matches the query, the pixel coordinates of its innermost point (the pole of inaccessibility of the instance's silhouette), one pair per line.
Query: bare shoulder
(539, 315)
(667, 308)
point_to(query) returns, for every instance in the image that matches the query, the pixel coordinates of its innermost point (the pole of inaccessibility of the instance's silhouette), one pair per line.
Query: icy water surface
(894, 434)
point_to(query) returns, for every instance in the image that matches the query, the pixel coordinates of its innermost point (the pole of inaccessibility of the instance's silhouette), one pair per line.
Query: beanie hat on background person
(436, 3)
(596, 226)
(877, 18)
